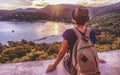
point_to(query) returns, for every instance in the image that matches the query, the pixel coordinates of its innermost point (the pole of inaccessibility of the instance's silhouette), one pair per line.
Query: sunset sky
(13, 4)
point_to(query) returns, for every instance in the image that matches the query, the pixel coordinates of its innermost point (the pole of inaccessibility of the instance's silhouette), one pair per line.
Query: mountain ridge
(60, 12)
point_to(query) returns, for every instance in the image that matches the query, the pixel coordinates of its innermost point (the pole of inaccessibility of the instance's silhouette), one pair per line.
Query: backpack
(84, 55)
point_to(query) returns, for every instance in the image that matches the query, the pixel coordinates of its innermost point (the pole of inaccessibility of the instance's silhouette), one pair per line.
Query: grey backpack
(84, 55)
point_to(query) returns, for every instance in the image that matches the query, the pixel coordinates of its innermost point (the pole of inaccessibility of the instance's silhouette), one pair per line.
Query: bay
(40, 31)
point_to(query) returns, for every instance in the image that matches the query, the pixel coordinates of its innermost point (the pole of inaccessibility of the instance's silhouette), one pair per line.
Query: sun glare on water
(56, 29)
(52, 28)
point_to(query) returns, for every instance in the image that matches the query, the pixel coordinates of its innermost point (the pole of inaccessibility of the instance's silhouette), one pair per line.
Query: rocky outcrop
(111, 67)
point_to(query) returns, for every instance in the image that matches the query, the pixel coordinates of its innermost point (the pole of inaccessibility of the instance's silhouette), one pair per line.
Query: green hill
(107, 23)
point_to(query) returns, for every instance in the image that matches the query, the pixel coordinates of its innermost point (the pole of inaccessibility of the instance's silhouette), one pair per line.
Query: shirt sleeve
(93, 36)
(69, 35)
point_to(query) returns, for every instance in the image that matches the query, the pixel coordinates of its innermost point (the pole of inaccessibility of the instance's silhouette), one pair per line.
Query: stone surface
(111, 67)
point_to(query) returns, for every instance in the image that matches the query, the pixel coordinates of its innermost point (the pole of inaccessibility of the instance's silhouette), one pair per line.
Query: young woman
(79, 16)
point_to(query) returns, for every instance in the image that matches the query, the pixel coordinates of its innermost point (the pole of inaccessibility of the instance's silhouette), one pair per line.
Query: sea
(38, 32)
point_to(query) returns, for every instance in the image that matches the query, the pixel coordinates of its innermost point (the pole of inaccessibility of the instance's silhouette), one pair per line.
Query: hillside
(108, 23)
(102, 10)
(3, 13)
(59, 12)
(106, 19)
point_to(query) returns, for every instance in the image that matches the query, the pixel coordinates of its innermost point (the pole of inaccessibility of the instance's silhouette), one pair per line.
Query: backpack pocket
(86, 61)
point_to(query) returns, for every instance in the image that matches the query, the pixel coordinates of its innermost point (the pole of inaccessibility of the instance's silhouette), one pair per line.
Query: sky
(14, 4)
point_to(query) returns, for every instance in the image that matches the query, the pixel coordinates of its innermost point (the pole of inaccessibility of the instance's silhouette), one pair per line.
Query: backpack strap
(79, 35)
(88, 32)
(77, 32)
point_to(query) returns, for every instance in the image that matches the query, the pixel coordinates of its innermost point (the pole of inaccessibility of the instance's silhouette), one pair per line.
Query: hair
(81, 15)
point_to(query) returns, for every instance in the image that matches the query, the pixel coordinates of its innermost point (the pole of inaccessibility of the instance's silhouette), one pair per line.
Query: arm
(93, 36)
(59, 57)
(94, 40)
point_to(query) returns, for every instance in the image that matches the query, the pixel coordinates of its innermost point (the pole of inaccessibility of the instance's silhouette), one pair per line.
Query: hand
(50, 68)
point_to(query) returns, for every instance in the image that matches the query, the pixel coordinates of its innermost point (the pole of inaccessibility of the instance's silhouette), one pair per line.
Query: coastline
(50, 39)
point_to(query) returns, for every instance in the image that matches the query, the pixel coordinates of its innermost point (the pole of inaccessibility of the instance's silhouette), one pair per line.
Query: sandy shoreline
(50, 39)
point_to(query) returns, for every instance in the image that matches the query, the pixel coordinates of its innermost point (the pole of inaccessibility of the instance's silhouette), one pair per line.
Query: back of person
(84, 56)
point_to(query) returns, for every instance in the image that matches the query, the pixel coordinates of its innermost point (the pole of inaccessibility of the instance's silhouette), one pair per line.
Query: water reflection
(56, 29)
(52, 28)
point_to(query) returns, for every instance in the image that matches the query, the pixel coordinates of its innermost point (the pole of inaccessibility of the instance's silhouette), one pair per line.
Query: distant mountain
(3, 13)
(61, 8)
(25, 10)
(60, 12)
(96, 11)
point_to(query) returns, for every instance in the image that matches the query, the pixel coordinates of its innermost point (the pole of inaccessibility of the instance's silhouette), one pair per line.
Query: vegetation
(107, 47)
(25, 16)
(108, 23)
(29, 51)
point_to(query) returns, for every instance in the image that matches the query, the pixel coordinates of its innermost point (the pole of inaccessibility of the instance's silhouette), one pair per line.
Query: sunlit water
(15, 31)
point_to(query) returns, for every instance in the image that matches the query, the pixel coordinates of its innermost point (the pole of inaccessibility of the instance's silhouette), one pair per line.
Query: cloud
(22, 2)
(12, 4)
(15, 3)
(96, 2)
(42, 4)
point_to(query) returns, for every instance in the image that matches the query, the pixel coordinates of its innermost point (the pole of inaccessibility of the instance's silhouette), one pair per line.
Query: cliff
(111, 67)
